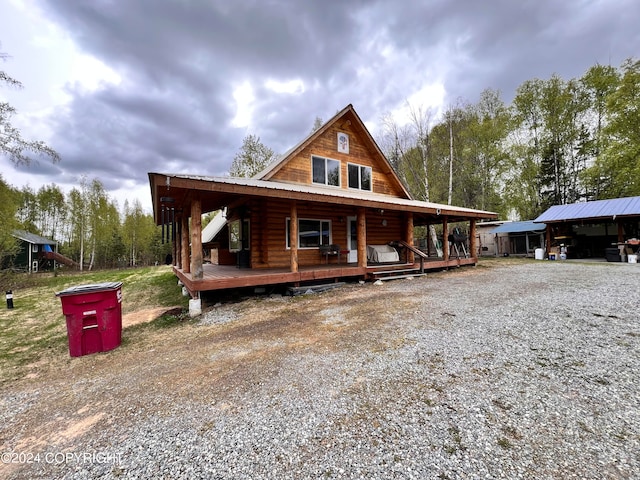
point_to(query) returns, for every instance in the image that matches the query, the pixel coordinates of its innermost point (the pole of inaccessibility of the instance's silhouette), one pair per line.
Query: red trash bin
(94, 317)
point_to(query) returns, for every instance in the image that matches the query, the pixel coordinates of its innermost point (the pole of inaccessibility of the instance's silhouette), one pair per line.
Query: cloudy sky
(122, 88)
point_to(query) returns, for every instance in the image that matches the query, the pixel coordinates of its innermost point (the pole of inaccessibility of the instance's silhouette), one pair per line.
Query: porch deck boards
(220, 277)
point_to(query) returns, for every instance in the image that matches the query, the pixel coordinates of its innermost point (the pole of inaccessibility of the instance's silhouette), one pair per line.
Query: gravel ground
(518, 370)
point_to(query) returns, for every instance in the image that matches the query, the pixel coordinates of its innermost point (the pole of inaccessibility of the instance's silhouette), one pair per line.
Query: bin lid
(90, 288)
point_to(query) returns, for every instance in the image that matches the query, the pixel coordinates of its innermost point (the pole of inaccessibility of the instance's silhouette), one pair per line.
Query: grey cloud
(180, 62)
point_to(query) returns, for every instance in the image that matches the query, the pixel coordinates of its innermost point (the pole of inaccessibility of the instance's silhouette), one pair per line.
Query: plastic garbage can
(94, 317)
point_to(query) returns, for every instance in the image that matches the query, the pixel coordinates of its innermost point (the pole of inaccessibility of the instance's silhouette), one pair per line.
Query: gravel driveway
(513, 370)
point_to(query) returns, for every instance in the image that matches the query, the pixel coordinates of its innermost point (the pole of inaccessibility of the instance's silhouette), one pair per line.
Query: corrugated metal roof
(600, 209)
(519, 227)
(32, 238)
(214, 227)
(323, 191)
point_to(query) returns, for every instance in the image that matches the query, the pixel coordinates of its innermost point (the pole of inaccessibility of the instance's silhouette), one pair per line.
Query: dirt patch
(144, 316)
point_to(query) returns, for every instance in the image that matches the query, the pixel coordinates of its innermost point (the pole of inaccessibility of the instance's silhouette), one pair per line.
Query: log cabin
(331, 208)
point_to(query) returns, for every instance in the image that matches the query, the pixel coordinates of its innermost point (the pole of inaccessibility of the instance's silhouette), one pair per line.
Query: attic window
(359, 177)
(325, 171)
(343, 142)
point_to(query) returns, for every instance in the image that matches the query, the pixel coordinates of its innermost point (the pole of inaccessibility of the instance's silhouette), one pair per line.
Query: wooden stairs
(397, 274)
(408, 272)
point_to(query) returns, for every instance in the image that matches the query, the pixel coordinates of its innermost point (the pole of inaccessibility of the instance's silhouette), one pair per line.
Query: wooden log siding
(273, 240)
(260, 235)
(293, 235)
(225, 257)
(268, 222)
(378, 233)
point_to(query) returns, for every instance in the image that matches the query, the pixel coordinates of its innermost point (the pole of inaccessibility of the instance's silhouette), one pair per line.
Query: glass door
(352, 239)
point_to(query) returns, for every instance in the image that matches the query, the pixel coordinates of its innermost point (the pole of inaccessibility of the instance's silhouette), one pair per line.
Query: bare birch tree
(408, 149)
(12, 144)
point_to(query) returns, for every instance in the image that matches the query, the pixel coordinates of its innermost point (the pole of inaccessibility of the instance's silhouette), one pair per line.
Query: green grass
(504, 443)
(35, 328)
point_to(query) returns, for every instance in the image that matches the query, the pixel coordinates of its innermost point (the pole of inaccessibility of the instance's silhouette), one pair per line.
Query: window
(343, 142)
(325, 171)
(238, 239)
(359, 177)
(311, 233)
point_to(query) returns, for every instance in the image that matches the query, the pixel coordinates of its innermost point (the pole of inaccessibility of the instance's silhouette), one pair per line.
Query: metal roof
(214, 227)
(33, 238)
(332, 194)
(519, 227)
(600, 209)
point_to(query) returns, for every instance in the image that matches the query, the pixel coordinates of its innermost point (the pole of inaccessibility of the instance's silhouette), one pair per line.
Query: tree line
(88, 225)
(558, 142)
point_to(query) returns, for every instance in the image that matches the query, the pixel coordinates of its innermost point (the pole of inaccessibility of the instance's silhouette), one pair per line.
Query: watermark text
(57, 458)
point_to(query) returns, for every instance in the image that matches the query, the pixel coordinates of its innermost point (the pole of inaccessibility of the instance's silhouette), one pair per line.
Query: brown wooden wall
(268, 231)
(298, 169)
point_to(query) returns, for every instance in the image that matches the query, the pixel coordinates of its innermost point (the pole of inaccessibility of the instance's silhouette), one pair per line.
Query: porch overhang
(215, 193)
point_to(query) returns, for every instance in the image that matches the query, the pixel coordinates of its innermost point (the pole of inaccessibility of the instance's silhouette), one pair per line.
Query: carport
(589, 229)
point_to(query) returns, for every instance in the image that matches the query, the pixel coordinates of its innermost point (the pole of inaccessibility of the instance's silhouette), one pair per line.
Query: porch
(221, 277)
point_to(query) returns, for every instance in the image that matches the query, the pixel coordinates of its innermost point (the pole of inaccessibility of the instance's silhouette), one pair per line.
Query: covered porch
(284, 227)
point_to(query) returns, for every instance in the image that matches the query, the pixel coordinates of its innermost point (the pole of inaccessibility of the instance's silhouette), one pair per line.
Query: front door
(352, 239)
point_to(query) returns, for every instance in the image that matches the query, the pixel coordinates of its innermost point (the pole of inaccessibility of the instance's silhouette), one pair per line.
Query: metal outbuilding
(590, 229)
(601, 210)
(506, 237)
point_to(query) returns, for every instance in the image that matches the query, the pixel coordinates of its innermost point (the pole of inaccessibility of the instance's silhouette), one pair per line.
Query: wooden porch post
(547, 247)
(174, 247)
(620, 232)
(293, 236)
(177, 243)
(185, 262)
(473, 244)
(362, 238)
(196, 239)
(428, 240)
(408, 236)
(445, 239)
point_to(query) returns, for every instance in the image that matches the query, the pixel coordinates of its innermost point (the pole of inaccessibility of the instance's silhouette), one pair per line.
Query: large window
(359, 177)
(311, 233)
(325, 171)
